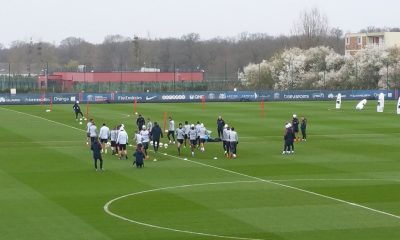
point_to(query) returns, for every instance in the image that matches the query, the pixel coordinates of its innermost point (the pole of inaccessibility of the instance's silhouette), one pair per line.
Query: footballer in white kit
(171, 130)
(104, 134)
(122, 141)
(192, 138)
(145, 139)
(180, 136)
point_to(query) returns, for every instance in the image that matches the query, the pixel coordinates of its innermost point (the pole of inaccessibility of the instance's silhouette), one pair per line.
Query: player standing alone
(96, 148)
(140, 122)
(220, 126)
(77, 110)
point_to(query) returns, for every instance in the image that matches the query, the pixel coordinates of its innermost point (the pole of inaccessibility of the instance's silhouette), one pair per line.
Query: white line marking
(66, 141)
(291, 187)
(107, 210)
(334, 179)
(322, 135)
(241, 174)
(45, 119)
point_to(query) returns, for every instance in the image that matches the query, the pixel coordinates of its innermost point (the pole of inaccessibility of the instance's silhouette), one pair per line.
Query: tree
(311, 28)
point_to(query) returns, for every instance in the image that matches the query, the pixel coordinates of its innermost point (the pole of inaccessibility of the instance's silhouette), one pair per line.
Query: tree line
(220, 58)
(322, 68)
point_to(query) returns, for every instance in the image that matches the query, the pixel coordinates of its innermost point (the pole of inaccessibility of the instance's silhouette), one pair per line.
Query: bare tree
(311, 28)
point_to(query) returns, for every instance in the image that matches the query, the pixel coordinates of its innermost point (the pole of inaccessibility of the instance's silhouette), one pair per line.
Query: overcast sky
(55, 20)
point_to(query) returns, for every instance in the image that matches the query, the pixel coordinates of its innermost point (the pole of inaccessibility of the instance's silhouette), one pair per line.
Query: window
(347, 41)
(359, 40)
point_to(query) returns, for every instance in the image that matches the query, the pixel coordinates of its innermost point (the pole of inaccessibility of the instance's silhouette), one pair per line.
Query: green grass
(49, 189)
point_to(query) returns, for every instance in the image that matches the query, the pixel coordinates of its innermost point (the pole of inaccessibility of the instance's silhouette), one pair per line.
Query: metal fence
(29, 84)
(23, 84)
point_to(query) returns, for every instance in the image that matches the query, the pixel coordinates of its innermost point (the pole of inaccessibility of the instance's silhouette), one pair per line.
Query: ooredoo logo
(173, 97)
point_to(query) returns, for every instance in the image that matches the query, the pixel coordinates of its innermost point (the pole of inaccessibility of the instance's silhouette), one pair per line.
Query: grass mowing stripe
(42, 118)
(291, 187)
(63, 124)
(107, 210)
(242, 174)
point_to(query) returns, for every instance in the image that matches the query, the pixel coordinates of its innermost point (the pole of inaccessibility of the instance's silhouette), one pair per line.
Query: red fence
(94, 77)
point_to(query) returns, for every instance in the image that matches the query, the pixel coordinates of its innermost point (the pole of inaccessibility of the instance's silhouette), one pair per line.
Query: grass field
(343, 183)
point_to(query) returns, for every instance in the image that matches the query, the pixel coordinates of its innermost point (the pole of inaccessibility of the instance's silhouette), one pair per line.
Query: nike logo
(150, 98)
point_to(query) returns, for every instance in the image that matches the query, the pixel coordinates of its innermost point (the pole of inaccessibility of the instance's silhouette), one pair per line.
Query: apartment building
(354, 42)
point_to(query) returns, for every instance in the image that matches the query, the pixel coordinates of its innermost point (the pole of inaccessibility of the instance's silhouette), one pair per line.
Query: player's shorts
(113, 144)
(104, 140)
(193, 142)
(122, 146)
(145, 145)
(202, 140)
(180, 141)
(171, 132)
(232, 147)
(185, 136)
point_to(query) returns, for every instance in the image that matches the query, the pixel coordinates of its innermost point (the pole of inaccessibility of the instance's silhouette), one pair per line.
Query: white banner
(361, 105)
(398, 106)
(339, 101)
(381, 103)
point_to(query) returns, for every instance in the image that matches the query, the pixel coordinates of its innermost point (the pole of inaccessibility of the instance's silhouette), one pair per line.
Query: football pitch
(343, 183)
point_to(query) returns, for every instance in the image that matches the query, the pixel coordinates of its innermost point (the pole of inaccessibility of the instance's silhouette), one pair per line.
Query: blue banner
(209, 96)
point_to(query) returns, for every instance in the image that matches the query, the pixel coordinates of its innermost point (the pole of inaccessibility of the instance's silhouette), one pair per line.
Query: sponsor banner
(210, 96)
(97, 97)
(64, 98)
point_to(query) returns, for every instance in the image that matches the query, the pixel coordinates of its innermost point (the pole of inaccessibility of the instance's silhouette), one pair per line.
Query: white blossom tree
(322, 68)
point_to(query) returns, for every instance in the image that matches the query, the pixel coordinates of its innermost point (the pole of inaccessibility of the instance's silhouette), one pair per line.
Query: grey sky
(92, 20)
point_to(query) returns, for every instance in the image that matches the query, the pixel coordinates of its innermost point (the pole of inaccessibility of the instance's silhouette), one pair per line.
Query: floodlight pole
(174, 76)
(9, 76)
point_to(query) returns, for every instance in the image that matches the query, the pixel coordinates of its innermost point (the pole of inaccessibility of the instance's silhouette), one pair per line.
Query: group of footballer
(149, 133)
(291, 133)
